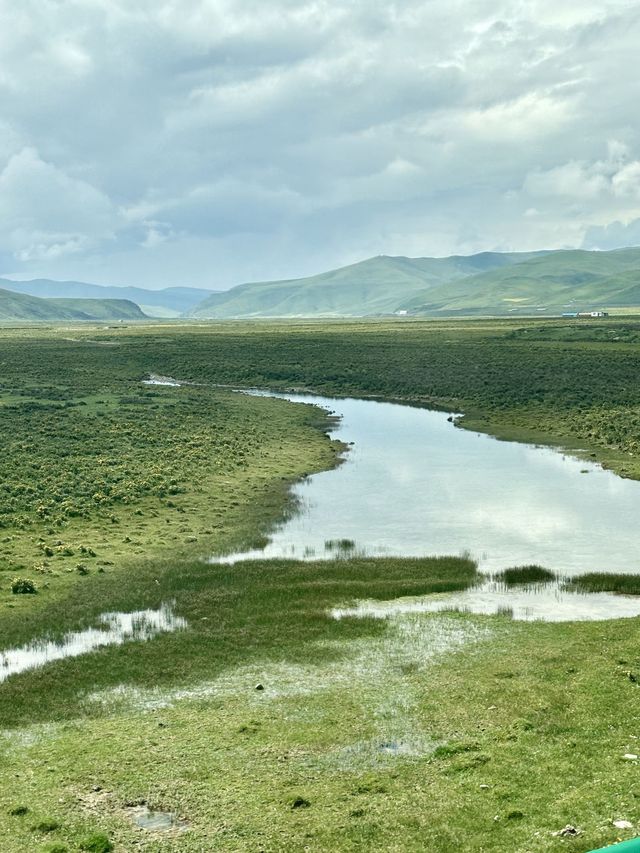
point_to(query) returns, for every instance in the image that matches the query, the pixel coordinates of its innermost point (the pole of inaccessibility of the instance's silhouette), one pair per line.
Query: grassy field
(433, 732)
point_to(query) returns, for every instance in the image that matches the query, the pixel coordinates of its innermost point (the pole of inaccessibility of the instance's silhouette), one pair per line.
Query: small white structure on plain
(623, 824)
(630, 756)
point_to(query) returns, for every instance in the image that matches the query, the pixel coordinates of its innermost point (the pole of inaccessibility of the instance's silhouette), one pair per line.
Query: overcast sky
(211, 142)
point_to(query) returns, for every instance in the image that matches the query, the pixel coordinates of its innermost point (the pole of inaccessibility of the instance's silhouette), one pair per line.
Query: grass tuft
(98, 842)
(525, 575)
(604, 582)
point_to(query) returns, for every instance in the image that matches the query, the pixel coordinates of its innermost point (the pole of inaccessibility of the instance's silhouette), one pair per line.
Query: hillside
(376, 286)
(553, 283)
(169, 302)
(24, 308)
(487, 283)
(102, 309)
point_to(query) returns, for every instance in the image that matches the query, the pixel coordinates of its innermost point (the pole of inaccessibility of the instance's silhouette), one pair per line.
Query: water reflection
(415, 485)
(116, 628)
(550, 602)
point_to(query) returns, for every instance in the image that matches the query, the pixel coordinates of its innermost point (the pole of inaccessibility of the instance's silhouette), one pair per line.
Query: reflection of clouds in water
(414, 485)
(116, 628)
(523, 521)
(548, 603)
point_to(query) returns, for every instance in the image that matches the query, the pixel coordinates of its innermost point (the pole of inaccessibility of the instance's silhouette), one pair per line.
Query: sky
(211, 142)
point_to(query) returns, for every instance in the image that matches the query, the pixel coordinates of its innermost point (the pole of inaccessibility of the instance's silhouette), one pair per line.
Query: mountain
(554, 282)
(491, 283)
(170, 302)
(24, 308)
(375, 286)
(101, 309)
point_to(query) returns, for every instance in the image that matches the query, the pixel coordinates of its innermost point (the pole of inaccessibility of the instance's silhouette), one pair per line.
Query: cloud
(45, 213)
(216, 141)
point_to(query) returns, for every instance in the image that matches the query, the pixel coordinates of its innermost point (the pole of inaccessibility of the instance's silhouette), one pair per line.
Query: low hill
(487, 283)
(102, 309)
(20, 307)
(552, 283)
(375, 286)
(169, 302)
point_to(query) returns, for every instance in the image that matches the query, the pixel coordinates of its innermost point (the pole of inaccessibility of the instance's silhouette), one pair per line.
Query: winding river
(413, 484)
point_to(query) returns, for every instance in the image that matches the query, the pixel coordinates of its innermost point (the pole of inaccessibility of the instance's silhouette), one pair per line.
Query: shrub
(98, 842)
(47, 825)
(23, 586)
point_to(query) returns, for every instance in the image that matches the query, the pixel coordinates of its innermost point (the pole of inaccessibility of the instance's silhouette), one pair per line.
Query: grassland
(441, 732)
(567, 383)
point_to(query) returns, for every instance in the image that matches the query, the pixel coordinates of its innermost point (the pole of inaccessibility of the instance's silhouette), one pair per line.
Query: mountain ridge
(167, 302)
(489, 282)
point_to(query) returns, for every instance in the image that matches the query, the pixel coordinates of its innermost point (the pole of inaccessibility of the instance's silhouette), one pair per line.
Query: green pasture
(267, 724)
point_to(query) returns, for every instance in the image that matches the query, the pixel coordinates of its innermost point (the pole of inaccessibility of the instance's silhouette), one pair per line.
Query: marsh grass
(604, 582)
(275, 609)
(525, 575)
(548, 708)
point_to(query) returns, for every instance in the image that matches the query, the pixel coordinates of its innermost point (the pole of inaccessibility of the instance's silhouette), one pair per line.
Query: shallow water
(413, 484)
(155, 379)
(156, 821)
(548, 602)
(117, 628)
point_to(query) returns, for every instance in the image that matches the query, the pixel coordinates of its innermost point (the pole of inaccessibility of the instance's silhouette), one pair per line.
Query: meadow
(267, 724)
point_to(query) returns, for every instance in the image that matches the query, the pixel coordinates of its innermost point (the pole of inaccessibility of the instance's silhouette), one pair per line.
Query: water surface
(413, 484)
(115, 628)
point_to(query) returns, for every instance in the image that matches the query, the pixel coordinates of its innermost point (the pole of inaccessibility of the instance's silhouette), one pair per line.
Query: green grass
(604, 582)
(556, 700)
(525, 575)
(442, 731)
(269, 610)
(97, 480)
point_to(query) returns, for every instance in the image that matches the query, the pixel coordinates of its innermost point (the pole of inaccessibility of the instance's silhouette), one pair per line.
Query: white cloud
(215, 141)
(45, 213)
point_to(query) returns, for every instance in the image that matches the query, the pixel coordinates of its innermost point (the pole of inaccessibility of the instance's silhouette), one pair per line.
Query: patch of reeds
(525, 575)
(605, 582)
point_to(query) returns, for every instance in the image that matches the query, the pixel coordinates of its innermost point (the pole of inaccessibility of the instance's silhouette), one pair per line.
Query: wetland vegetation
(444, 732)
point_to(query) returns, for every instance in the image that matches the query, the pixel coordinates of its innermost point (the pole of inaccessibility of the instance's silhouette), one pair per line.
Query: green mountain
(488, 283)
(169, 302)
(375, 286)
(24, 308)
(102, 309)
(555, 282)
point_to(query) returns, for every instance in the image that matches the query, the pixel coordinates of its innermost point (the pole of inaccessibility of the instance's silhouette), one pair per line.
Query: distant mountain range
(170, 302)
(24, 308)
(489, 283)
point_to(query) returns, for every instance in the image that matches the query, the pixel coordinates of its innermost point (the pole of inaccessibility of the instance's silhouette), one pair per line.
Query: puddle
(368, 754)
(116, 628)
(156, 379)
(156, 821)
(549, 602)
